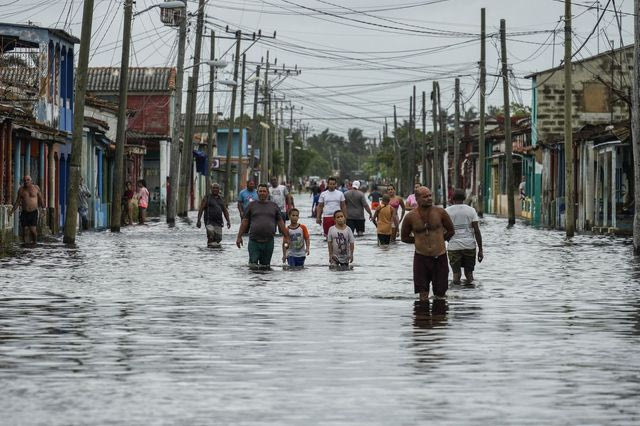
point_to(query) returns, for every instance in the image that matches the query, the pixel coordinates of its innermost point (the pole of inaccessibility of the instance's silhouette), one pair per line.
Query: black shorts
(356, 225)
(29, 219)
(384, 240)
(462, 259)
(430, 270)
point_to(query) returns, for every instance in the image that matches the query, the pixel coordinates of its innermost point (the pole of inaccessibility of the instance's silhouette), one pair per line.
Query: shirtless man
(430, 226)
(29, 199)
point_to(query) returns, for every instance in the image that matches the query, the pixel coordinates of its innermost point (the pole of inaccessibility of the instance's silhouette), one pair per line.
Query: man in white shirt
(462, 246)
(329, 202)
(279, 194)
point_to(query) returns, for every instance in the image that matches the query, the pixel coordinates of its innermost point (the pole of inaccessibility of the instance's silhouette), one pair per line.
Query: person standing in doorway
(522, 188)
(427, 228)
(296, 252)
(83, 205)
(462, 246)
(356, 204)
(397, 203)
(29, 198)
(386, 220)
(213, 207)
(261, 219)
(280, 195)
(143, 201)
(246, 196)
(329, 202)
(341, 242)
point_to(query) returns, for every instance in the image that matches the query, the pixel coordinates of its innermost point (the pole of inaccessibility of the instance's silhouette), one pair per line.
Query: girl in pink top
(143, 201)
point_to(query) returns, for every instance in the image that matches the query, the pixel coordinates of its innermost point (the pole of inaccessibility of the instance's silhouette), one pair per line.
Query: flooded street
(151, 327)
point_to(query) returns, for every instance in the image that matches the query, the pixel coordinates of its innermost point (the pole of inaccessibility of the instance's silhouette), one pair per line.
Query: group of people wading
(270, 208)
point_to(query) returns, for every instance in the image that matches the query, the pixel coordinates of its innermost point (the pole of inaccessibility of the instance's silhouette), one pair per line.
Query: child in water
(386, 220)
(297, 250)
(341, 242)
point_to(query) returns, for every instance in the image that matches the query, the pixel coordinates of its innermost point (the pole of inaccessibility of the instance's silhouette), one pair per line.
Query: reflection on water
(149, 326)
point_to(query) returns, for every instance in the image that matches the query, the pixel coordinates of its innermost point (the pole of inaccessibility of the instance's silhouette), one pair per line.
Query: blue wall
(235, 142)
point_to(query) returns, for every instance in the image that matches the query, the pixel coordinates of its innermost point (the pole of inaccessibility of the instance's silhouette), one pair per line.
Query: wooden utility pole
(483, 91)
(436, 142)
(444, 147)
(71, 219)
(211, 132)
(264, 155)
(425, 175)
(121, 132)
(569, 205)
(396, 147)
(407, 186)
(508, 144)
(255, 125)
(232, 118)
(187, 151)
(290, 163)
(456, 139)
(412, 146)
(174, 166)
(635, 126)
(241, 125)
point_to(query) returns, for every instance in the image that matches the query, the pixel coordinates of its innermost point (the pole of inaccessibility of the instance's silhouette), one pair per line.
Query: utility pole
(444, 167)
(211, 132)
(254, 130)
(187, 151)
(240, 146)
(425, 175)
(569, 204)
(508, 144)
(121, 135)
(234, 92)
(456, 138)
(397, 149)
(407, 175)
(174, 166)
(412, 146)
(635, 125)
(483, 91)
(264, 155)
(290, 143)
(71, 219)
(436, 143)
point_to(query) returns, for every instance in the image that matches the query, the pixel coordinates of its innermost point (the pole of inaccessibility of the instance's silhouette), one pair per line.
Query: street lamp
(216, 63)
(165, 5)
(228, 83)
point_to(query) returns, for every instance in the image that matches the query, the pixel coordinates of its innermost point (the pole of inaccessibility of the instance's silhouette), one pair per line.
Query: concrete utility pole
(569, 204)
(483, 91)
(241, 126)
(456, 138)
(174, 166)
(425, 179)
(121, 135)
(290, 143)
(635, 125)
(255, 124)
(407, 175)
(264, 154)
(436, 143)
(71, 218)
(412, 146)
(211, 130)
(232, 118)
(397, 150)
(444, 145)
(186, 166)
(508, 144)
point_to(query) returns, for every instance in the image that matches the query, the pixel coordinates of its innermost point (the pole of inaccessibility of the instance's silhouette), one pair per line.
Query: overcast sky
(358, 58)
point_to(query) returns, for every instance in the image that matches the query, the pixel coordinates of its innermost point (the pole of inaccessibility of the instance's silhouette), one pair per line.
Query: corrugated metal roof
(143, 79)
(20, 76)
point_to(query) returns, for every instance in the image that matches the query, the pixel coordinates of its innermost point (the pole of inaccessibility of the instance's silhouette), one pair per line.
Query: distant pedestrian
(246, 196)
(315, 194)
(143, 201)
(213, 207)
(341, 242)
(427, 227)
(397, 203)
(356, 206)
(386, 221)
(280, 195)
(329, 202)
(462, 246)
(374, 197)
(128, 203)
(261, 219)
(28, 199)
(298, 248)
(411, 202)
(83, 204)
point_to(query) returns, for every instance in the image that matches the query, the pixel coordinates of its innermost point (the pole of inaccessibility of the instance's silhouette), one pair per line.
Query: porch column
(51, 178)
(614, 184)
(27, 159)
(42, 174)
(597, 210)
(589, 186)
(605, 191)
(164, 154)
(17, 176)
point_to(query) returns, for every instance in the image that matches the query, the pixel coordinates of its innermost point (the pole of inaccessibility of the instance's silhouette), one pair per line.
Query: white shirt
(462, 217)
(279, 195)
(331, 201)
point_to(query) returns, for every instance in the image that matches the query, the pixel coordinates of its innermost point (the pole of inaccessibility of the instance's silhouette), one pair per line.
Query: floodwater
(151, 327)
